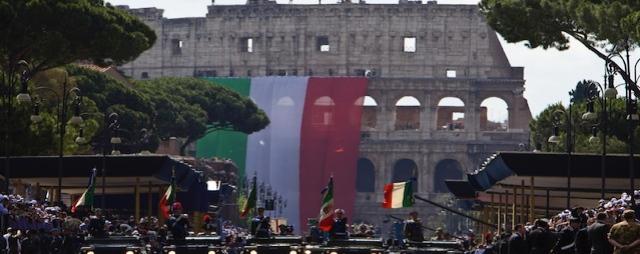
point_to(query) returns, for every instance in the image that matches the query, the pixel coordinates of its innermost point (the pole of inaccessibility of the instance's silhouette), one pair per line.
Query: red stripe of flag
(327, 149)
(388, 193)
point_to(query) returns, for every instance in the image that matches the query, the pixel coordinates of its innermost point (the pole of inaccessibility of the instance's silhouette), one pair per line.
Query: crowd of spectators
(34, 227)
(610, 227)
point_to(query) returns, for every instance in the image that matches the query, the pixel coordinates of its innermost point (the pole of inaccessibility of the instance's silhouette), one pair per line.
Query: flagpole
(255, 188)
(455, 212)
(173, 192)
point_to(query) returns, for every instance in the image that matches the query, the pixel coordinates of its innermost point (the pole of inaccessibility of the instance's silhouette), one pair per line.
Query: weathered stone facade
(456, 54)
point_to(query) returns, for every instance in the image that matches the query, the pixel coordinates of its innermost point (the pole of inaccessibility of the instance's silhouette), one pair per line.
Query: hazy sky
(549, 74)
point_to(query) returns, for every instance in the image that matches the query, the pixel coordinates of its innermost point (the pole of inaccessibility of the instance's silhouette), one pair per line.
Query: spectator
(625, 235)
(55, 246)
(567, 238)
(597, 234)
(31, 243)
(4, 204)
(517, 243)
(13, 241)
(541, 240)
(583, 245)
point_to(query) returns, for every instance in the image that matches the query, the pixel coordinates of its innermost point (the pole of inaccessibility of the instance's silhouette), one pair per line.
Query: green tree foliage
(42, 138)
(52, 33)
(602, 27)
(48, 34)
(556, 115)
(190, 107)
(100, 95)
(583, 89)
(135, 110)
(166, 107)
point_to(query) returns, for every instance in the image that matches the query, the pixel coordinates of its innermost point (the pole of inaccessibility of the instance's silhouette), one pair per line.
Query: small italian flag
(169, 197)
(87, 197)
(251, 200)
(326, 211)
(398, 195)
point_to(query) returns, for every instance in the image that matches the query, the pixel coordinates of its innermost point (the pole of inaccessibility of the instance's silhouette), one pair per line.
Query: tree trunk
(183, 147)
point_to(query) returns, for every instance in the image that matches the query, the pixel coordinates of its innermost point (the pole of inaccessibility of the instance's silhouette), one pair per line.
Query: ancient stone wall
(337, 39)
(427, 51)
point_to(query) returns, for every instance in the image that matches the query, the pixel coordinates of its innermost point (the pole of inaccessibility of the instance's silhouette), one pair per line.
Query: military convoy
(114, 244)
(271, 245)
(195, 245)
(274, 245)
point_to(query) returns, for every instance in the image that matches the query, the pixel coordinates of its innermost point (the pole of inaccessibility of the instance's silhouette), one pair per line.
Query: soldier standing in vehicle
(261, 225)
(413, 228)
(339, 227)
(178, 223)
(96, 225)
(439, 235)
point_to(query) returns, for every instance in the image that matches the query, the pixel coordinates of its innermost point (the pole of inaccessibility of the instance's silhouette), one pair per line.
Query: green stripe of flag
(407, 200)
(227, 144)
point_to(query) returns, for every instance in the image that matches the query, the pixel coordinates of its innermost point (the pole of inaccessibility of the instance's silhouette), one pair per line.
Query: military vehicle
(348, 246)
(195, 245)
(432, 247)
(113, 244)
(273, 245)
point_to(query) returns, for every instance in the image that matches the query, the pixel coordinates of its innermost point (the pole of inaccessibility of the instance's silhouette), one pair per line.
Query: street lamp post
(632, 118)
(555, 138)
(593, 95)
(135, 143)
(110, 136)
(110, 124)
(622, 65)
(64, 101)
(7, 89)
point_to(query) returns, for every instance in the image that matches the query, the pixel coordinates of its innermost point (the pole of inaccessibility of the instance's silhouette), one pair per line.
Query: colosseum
(430, 68)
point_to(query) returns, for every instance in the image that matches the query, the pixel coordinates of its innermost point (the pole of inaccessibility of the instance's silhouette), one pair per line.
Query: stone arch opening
(286, 102)
(369, 116)
(324, 101)
(446, 169)
(450, 114)
(366, 176)
(405, 170)
(494, 114)
(323, 111)
(407, 113)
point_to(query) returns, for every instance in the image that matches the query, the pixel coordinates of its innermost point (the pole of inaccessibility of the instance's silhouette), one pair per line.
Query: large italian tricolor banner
(314, 133)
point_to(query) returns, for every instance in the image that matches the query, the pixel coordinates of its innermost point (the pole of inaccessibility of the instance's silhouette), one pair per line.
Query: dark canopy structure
(123, 172)
(462, 189)
(503, 165)
(542, 179)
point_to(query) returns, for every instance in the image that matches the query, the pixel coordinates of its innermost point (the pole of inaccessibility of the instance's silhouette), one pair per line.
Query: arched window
(324, 101)
(407, 113)
(494, 115)
(446, 169)
(366, 176)
(450, 114)
(369, 117)
(322, 112)
(285, 101)
(405, 170)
